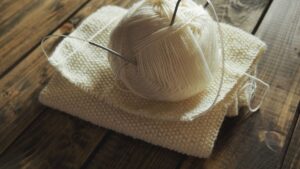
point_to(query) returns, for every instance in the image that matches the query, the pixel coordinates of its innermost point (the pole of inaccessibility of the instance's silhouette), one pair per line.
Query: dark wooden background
(35, 136)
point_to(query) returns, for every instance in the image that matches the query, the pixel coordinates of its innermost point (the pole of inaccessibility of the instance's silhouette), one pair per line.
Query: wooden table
(35, 136)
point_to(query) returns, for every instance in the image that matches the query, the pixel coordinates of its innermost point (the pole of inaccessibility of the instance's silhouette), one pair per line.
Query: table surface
(35, 136)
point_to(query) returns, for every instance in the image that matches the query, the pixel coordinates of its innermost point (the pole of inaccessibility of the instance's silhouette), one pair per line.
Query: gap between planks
(36, 44)
(7, 104)
(293, 134)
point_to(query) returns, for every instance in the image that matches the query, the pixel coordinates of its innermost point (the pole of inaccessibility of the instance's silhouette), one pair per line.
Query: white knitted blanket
(84, 87)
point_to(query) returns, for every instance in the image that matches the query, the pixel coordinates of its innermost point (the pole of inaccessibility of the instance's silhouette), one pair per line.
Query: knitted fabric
(192, 138)
(85, 87)
(87, 67)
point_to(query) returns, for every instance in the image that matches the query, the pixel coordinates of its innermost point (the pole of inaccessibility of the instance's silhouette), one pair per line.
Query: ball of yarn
(169, 63)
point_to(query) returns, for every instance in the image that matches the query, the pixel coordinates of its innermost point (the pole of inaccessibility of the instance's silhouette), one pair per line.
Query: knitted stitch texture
(85, 87)
(87, 67)
(192, 138)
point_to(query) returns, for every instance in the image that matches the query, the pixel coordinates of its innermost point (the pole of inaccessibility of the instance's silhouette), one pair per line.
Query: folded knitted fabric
(87, 67)
(192, 138)
(85, 87)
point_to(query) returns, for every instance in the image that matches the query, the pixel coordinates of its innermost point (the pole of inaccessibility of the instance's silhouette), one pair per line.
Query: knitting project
(85, 87)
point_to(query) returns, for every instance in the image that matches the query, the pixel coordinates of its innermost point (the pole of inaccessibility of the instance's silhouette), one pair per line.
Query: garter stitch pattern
(194, 138)
(88, 68)
(84, 86)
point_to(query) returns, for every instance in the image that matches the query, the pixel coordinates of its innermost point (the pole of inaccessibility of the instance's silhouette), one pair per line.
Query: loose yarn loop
(173, 62)
(253, 86)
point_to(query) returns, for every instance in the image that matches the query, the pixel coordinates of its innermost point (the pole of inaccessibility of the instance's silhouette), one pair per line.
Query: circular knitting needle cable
(90, 42)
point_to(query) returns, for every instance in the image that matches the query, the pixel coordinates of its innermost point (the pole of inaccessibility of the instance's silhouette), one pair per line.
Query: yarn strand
(263, 96)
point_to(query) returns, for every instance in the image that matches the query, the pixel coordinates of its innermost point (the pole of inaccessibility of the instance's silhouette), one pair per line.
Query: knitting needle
(112, 52)
(175, 12)
(176, 9)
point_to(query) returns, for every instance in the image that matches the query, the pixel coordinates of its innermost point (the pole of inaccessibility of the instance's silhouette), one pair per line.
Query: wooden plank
(240, 13)
(56, 140)
(20, 87)
(259, 141)
(292, 157)
(119, 151)
(137, 153)
(24, 22)
(19, 90)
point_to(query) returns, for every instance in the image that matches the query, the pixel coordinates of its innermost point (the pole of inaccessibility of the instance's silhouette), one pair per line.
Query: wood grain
(19, 90)
(259, 141)
(24, 22)
(57, 140)
(119, 151)
(20, 87)
(292, 158)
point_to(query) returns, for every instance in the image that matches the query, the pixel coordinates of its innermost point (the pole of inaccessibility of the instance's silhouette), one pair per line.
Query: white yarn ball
(174, 62)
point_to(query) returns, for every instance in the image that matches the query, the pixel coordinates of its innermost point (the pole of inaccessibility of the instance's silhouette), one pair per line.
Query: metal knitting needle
(176, 9)
(112, 52)
(175, 12)
(206, 4)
